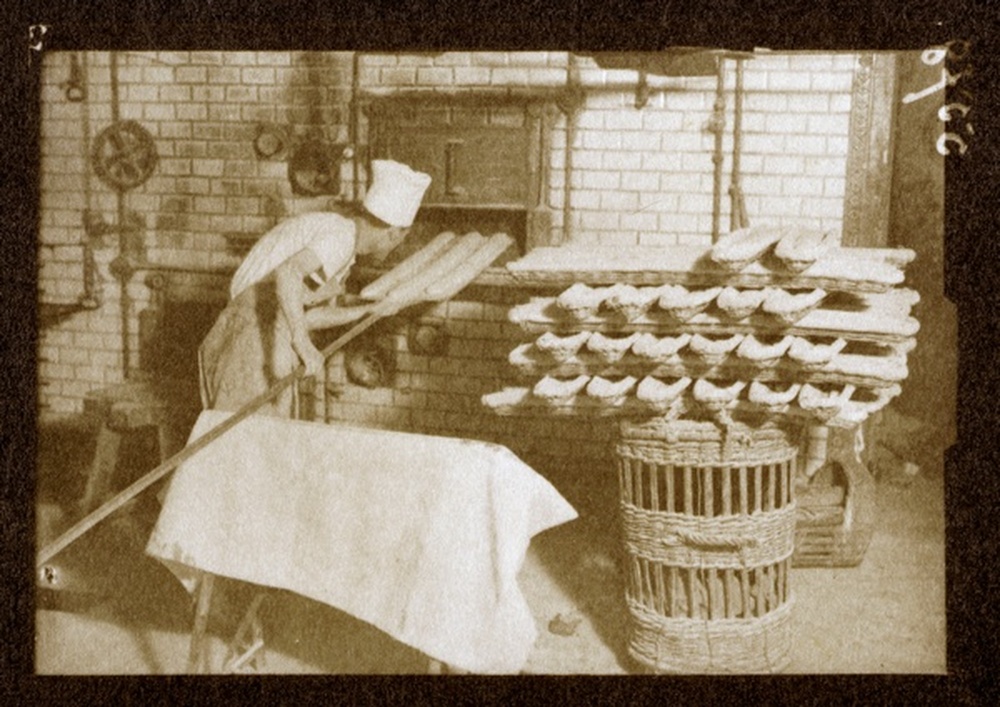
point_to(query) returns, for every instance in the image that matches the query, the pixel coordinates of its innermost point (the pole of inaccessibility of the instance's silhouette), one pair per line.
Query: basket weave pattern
(708, 515)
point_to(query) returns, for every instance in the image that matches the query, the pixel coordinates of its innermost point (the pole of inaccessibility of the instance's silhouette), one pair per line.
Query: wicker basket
(708, 515)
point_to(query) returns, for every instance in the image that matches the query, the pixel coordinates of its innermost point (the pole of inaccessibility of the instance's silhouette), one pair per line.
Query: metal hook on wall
(73, 87)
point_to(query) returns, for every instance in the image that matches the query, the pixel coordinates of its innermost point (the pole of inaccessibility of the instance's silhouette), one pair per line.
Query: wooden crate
(836, 511)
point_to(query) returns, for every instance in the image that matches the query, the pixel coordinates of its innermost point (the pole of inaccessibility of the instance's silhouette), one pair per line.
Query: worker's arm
(289, 277)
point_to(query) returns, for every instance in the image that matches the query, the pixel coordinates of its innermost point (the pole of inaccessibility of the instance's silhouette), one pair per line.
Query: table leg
(196, 655)
(248, 641)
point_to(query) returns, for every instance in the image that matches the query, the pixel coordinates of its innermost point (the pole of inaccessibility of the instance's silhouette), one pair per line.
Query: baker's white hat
(396, 192)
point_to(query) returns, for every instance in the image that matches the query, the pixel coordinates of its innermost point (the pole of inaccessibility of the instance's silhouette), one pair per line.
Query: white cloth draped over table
(420, 536)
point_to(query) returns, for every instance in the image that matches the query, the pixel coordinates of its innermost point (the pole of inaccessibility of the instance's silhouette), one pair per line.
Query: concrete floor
(123, 613)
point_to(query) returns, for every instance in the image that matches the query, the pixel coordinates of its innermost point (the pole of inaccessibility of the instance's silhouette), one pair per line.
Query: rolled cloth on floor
(420, 536)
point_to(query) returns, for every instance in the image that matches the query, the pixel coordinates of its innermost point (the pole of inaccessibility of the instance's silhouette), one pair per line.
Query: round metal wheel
(124, 155)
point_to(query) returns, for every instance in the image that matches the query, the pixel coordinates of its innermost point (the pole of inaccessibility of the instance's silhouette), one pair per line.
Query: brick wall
(646, 175)
(639, 176)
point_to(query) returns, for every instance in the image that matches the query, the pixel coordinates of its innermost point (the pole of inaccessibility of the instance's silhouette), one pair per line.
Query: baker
(288, 285)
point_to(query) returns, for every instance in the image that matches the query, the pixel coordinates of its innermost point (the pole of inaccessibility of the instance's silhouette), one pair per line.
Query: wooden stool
(125, 411)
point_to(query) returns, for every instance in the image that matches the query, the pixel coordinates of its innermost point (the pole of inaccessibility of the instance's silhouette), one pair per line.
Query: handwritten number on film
(955, 52)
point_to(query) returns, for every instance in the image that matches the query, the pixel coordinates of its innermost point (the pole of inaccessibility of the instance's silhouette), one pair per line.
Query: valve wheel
(124, 155)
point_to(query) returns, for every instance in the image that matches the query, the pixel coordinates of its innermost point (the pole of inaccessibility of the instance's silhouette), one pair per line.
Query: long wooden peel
(462, 271)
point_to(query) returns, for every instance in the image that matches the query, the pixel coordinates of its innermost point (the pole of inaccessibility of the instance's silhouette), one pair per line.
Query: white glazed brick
(606, 99)
(586, 199)
(787, 123)
(765, 102)
(60, 147)
(274, 59)
(601, 140)
(245, 58)
(685, 142)
(805, 144)
(659, 202)
(770, 62)
(657, 240)
(829, 124)
(697, 162)
(784, 164)
(68, 127)
(619, 201)
(140, 92)
(435, 76)
(753, 80)
(826, 166)
(588, 159)
(661, 161)
(684, 101)
(591, 119)
(398, 75)
(621, 77)
(191, 111)
(639, 221)
(600, 180)
(640, 181)
(689, 203)
(840, 103)
(845, 61)
(781, 205)
(509, 76)
(754, 122)
(761, 185)
(661, 120)
(787, 81)
(129, 74)
(832, 82)
(763, 143)
(675, 182)
(599, 221)
(678, 223)
(415, 59)
(378, 59)
(834, 186)
(592, 77)
(641, 141)
(546, 77)
(490, 58)
(809, 103)
(810, 62)
(836, 145)
(175, 93)
(825, 208)
(802, 186)
(699, 123)
(535, 58)
(621, 160)
(695, 239)
(453, 59)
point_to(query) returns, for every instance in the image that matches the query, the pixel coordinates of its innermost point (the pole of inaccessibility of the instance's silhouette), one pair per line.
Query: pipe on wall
(124, 245)
(570, 109)
(718, 126)
(737, 209)
(354, 127)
